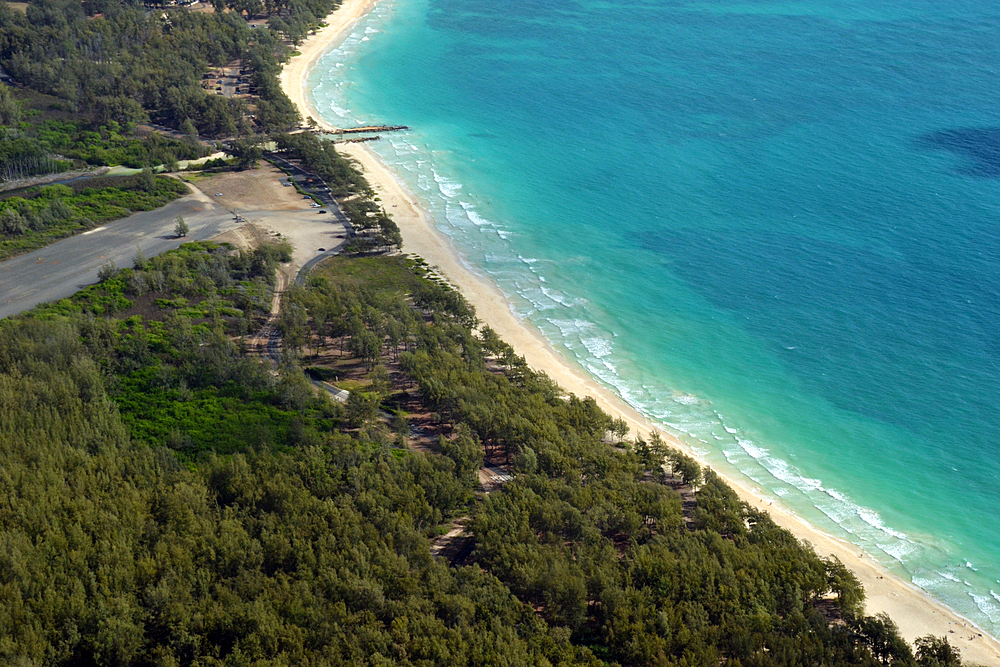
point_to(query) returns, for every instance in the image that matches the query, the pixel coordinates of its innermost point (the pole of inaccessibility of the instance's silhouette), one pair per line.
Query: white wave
(538, 304)
(571, 327)
(556, 296)
(599, 347)
(986, 606)
(898, 550)
(833, 493)
(872, 518)
(500, 259)
(753, 450)
(448, 187)
(477, 219)
(340, 111)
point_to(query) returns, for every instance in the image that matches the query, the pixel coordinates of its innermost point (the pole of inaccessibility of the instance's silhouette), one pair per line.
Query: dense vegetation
(35, 217)
(173, 502)
(112, 61)
(134, 534)
(37, 136)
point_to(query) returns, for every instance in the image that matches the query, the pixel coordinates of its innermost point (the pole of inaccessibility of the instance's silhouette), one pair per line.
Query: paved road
(61, 269)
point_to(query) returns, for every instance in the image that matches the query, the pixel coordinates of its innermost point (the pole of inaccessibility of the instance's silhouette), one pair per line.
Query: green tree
(10, 108)
(189, 129)
(180, 227)
(936, 652)
(247, 152)
(147, 180)
(362, 407)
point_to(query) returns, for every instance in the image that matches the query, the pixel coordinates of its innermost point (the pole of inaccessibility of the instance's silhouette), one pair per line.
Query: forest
(118, 61)
(175, 500)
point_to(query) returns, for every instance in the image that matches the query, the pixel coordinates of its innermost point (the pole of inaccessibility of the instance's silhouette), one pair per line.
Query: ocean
(772, 227)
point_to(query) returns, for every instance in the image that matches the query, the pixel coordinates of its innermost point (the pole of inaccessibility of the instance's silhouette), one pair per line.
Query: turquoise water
(772, 227)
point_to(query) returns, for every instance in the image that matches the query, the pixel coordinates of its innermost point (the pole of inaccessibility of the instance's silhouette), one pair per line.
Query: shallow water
(770, 226)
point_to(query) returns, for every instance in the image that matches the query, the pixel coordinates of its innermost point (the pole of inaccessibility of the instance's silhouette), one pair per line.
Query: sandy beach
(910, 607)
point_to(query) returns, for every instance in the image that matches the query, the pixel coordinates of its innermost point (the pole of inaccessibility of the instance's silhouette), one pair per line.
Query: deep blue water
(771, 226)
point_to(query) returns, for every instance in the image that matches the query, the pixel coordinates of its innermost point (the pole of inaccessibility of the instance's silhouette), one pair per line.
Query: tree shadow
(979, 146)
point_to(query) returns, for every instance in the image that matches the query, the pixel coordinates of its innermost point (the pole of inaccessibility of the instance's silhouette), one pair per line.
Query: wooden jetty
(373, 128)
(368, 129)
(356, 140)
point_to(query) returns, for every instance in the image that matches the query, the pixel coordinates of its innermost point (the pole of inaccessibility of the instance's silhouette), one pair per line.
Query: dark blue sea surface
(770, 226)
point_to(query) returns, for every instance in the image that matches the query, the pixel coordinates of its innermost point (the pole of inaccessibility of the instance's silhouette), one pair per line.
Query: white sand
(293, 75)
(911, 608)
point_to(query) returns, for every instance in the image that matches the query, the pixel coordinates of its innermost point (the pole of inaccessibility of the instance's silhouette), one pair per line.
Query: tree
(936, 652)
(619, 429)
(882, 635)
(362, 407)
(189, 129)
(247, 152)
(845, 586)
(181, 228)
(107, 272)
(147, 181)
(10, 109)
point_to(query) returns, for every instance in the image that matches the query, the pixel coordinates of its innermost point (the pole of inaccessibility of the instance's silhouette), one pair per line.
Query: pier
(372, 128)
(366, 129)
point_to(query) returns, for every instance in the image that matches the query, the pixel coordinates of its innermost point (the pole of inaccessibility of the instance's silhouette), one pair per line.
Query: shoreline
(293, 73)
(911, 608)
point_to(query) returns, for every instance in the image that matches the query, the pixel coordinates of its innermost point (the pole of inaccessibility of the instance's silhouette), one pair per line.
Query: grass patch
(393, 274)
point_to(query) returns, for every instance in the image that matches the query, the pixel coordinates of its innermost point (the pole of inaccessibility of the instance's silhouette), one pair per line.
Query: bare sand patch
(252, 190)
(245, 237)
(274, 211)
